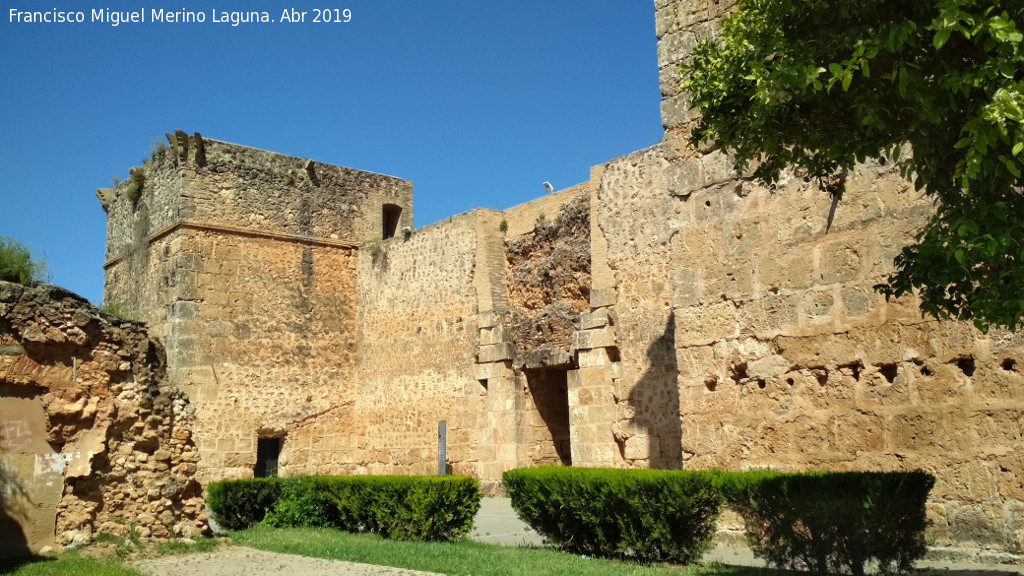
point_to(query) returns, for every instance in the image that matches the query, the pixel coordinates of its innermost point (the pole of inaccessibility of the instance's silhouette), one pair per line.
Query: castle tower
(243, 263)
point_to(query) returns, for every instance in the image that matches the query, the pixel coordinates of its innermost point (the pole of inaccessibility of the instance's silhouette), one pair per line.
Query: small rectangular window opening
(390, 216)
(483, 383)
(268, 452)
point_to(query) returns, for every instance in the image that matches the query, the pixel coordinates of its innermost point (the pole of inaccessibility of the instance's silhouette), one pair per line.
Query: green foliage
(396, 507)
(377, 252)
(135, 184)
(156, 149)
(647, 515)
(302, 504)
(118, 310)
(831, 522)
(503, 226)
(18, 265)
(239, 504)
(825, 84)
(63, 565)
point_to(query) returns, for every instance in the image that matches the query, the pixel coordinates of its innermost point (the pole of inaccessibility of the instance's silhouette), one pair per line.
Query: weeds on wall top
(156, 149)
(503, 227)
(118, 310)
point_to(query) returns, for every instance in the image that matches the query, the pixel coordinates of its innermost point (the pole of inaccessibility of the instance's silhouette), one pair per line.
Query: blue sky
(477, 102)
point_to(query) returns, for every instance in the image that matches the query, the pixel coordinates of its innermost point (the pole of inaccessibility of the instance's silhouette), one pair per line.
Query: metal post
(442, 457)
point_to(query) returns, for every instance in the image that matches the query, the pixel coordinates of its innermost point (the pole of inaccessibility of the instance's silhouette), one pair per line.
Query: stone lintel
(546, 358)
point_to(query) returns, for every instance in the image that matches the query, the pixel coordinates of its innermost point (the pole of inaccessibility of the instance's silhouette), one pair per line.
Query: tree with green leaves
(824, 84)
(18, 265)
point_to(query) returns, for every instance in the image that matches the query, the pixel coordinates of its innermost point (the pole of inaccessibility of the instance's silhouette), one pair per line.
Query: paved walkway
(496, 523)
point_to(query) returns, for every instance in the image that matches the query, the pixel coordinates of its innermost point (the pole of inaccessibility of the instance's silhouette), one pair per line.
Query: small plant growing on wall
(156, 149)
(503, 226)
(377, 252)
(117, 310)
(135, 183)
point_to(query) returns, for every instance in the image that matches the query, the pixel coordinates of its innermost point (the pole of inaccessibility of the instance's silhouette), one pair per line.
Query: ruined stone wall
(548, 281)
(254, 189)
(787, 358)
(548, 286)
(522, 219)
(92, 437)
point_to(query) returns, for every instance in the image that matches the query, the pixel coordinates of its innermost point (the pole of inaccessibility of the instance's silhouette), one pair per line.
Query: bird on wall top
(547, 186)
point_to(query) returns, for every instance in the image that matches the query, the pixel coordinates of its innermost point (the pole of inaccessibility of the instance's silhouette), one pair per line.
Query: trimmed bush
(405, 507)
(302, 504)
(833, 522)
(239, 504)
(398, 507)
(646, 515)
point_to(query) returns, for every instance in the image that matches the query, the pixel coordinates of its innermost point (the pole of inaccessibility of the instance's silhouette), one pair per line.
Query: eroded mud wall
(92, 437)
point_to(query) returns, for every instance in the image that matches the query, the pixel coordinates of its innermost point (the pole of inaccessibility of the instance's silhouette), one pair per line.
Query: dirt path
(241, 561)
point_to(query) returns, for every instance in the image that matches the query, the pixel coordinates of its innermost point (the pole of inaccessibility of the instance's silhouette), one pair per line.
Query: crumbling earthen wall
(787, 358)
(94, 439)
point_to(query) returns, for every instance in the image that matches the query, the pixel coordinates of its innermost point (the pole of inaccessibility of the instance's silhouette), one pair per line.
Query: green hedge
(239, 504)
(832, 522)
(647, 515)
(398, 507)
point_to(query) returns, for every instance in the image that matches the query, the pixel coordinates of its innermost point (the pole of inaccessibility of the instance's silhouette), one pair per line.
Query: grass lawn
(107, 558)
(461, 559)
(65, 565)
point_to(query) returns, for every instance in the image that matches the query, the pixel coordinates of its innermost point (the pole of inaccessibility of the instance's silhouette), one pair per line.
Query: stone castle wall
(668, 313)
(92, 437)
(417, 307)
(249, 276)
(787, 358)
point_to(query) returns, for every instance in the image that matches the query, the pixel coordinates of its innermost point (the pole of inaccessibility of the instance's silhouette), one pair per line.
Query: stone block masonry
(667, 313)
(785, 355)
(244, 263)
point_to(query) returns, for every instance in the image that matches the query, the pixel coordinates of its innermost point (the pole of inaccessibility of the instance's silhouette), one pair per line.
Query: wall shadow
(550, 392)
(655, 401)
(13, 542)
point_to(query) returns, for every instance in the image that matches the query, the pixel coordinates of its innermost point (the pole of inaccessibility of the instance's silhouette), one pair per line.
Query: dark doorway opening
(549, 389)
(268, 452)
(390, 216)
